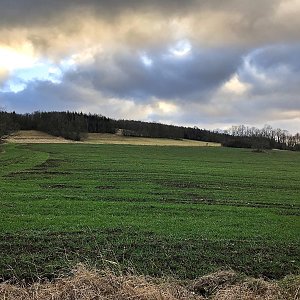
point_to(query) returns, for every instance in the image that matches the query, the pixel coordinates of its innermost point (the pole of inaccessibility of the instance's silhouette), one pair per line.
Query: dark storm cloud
(167, 76)
(32, 12)
(14, 11)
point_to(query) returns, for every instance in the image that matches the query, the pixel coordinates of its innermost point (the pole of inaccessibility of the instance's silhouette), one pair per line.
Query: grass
(35, 137)
(180, 211)
(38, 137)
(86, 284)
(105, 138)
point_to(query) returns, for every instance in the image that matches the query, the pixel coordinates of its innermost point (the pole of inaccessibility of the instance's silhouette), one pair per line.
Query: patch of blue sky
(41, 71)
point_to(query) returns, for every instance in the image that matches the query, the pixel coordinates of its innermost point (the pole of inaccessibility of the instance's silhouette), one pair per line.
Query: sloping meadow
(161, 211)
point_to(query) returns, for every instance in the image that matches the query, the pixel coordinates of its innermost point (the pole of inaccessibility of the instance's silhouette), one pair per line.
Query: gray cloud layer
(168, 77)
(29, 12)
(243, 65)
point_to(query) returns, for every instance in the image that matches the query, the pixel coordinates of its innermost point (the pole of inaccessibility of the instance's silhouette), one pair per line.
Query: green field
(180, 211)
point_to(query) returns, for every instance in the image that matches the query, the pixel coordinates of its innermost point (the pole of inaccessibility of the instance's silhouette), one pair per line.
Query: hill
(38, 137)
(75, 126)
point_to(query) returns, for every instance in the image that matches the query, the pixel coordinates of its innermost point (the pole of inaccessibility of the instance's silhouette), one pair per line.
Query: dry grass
(35, 137)
(86, 284)
(106, 138)
(226, 285)
(32, 137)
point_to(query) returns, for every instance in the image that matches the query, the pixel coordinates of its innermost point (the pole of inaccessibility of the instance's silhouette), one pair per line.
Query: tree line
(266, 137)
(75, 126)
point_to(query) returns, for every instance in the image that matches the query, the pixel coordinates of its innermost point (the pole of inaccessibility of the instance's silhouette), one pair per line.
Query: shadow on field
(45, 254)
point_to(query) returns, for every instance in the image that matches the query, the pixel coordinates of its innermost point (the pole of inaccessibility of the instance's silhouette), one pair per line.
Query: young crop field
(180, 211)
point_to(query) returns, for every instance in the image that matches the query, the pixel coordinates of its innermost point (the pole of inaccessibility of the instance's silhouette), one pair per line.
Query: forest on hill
(75, 126)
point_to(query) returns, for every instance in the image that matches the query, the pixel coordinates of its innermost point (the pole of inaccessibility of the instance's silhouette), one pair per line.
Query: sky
(205, 63)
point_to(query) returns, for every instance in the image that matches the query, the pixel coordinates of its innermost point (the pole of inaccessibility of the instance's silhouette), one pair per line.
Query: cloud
(56, 27)
(3, 76)
(195, 62)
(273, 70)
(190, 77)
(44, 96)
(268, 85)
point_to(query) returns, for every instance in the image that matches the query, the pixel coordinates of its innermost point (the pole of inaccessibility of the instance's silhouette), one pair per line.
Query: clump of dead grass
(228, 285)
(253, 289)
(209, 284)
(85, 284)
